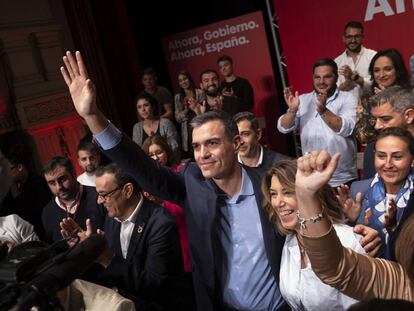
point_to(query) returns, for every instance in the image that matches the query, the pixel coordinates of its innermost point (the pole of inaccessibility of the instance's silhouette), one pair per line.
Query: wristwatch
(292, 111)
(355, 76)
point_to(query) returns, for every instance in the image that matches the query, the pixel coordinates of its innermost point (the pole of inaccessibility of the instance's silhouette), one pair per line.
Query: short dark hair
(208, 71)
(249, 116)
(152, 101)
(398, 97)
(54, 162)
(224, 58)
(326, 62)
(401, 133)
(354, 24)
(148, 71)
(230, 127)
(120, 176)
(89, 146)
(402, 77)
(19, 154)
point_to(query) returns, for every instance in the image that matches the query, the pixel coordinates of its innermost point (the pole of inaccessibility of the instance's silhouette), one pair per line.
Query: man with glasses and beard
(326, 119)
(353, 63)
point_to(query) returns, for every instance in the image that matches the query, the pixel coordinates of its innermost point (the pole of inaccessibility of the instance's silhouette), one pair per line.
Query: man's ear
(409, 116)
(259, 133)
(129, 189)
(237, 142)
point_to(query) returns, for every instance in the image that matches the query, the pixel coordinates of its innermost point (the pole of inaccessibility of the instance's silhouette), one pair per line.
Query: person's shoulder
(369, 52)
(340, 57)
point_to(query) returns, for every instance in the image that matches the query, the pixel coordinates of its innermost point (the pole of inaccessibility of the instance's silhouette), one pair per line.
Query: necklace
(301, 247)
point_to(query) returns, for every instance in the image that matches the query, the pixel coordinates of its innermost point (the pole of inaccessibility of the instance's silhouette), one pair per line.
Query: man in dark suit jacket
(251, 152)
(235, 250)
(143, 257)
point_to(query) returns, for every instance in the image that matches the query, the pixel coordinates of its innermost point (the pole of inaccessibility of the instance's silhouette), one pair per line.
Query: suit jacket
(152, 275)
(200, 198)
(270, 158)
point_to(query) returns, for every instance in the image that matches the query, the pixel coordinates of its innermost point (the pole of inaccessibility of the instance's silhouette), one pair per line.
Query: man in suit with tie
(143, 258)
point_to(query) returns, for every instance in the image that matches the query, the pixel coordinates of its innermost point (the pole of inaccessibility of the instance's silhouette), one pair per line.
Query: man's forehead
(209, 75)
(57, 172)
(208, 130)
(104, 181)
(324, 69)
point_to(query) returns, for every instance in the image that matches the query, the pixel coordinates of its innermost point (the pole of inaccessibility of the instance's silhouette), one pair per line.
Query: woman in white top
(299, 285)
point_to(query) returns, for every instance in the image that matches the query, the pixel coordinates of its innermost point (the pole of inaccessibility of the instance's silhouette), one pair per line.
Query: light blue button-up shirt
(247, 281)
(315, 134)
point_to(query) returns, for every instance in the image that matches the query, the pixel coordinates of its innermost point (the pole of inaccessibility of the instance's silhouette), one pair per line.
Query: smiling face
(324, 79)
(210, 83)
(386, 117)
(353, 38)
(249, 139)
(385, 74)
(284, 204)
(214, 153)
(392, 162)
(183, 81)
(112, 196)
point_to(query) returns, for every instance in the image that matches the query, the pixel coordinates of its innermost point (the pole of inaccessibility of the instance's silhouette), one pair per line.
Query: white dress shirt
(127, 227)
(315, 134)
(87, 180)
(361, 65)
(301, 288)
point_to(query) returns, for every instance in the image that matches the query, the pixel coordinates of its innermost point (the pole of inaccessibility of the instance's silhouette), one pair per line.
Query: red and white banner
(244, 39)
(310, 30)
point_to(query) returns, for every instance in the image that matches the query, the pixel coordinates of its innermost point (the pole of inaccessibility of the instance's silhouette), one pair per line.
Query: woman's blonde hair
(285, 172)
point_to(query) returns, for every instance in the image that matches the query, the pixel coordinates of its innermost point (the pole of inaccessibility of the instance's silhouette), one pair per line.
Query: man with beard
(353, 63)
(233, 86)
(251, 152)
(326, 118)
(89, 159)
(215, 101)
(72, 200)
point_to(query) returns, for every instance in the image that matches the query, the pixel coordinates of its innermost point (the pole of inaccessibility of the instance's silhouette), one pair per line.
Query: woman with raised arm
(299, 285)
(355, 275)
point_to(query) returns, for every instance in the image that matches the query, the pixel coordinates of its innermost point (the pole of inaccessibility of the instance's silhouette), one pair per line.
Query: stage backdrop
(244, 39)
(310, 30)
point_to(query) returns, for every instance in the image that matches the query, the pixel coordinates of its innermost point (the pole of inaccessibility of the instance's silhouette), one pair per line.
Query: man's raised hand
(80, 86)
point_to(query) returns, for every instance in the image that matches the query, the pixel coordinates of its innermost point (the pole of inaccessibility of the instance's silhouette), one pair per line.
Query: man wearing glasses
(353, 63)
(143, 257)
(71, 199)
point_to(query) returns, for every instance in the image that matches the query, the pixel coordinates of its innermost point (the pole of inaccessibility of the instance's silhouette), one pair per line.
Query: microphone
(45, 286)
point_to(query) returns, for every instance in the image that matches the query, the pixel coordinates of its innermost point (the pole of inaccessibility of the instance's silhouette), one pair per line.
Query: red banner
(244, 39)
(310, 30)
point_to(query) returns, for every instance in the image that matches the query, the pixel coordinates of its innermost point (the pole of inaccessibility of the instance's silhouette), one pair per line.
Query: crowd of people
(198, 214)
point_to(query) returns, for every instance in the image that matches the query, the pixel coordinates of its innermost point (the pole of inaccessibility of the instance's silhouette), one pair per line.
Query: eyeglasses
(106, 196)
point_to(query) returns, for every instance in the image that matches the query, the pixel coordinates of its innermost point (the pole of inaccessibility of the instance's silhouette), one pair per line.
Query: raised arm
(120, 149)
(82, 91)
(355, 275)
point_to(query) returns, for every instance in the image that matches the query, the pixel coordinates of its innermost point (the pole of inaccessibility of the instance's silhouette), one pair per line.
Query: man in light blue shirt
(235, 250)
(326, 118)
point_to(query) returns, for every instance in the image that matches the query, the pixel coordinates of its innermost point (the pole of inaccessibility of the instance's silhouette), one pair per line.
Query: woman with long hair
(152, 124)
(355, 275)
(185, 102)
(299, 285)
